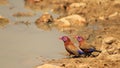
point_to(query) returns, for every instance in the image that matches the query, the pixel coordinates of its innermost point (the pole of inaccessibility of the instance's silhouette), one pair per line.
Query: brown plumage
(70, 47)
(88, 49)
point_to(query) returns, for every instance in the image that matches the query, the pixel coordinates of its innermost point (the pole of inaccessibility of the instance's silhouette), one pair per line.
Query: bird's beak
(60, 38)
(75, 36)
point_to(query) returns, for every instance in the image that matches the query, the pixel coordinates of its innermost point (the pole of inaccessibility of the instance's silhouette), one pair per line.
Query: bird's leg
(87, 54)
(69, 55)
(75, 56)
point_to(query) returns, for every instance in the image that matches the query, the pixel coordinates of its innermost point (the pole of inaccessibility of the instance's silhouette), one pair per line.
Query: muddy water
(22, 46)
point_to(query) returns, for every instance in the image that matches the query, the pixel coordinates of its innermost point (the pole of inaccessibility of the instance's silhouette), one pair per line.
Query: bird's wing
(86, 46)
(72, 49)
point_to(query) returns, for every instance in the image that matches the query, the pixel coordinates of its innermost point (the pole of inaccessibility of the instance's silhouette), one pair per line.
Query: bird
(85, 47)
(70, 47)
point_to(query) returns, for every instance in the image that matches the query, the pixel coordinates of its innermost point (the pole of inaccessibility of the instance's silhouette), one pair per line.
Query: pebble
(109, 40)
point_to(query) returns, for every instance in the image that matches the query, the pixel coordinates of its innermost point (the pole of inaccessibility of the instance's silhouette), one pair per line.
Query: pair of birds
(83, 49)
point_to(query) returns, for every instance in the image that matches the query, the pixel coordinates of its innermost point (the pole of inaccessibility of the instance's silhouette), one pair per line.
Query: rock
(101, 18)
(76, 8)
(113, 15)
(116, 3)
(72, 21)
(45, 18)
(111, 49)
(48, 66)
(109, 40)
(77, 5)
(3, 21)
(44, 21)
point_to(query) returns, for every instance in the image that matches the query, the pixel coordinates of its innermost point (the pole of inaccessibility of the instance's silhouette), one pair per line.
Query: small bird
(86, 48)
(70, 47)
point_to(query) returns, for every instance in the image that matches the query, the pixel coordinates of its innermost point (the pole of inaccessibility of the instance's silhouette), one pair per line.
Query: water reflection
(21, 45)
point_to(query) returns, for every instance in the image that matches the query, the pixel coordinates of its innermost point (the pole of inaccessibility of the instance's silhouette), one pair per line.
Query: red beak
(60, 38)
(75, 36)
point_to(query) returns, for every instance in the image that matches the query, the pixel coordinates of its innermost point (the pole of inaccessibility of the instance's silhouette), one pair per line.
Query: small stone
(70, 23)
(3, 21)
(109, 40)
(63, 65)
(113, 15)
(44, 21)
(74, 8)
(71, 20)
(45, 18)
(77, 5)
(102, 18)
(117, 3)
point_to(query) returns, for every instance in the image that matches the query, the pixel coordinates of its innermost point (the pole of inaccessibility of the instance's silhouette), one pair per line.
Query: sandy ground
(103, 18)
(102, 29)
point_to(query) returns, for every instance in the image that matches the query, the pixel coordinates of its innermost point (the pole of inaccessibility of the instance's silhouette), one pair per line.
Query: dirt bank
(103, 21)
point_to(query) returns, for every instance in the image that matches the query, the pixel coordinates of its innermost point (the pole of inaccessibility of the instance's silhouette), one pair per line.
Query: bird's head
(65, 38)
(79, 38)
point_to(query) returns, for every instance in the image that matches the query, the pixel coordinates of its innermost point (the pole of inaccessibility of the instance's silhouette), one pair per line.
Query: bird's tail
(80, 52)
(94, 50)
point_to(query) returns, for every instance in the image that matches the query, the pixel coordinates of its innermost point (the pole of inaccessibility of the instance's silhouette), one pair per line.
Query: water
(21, 45)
